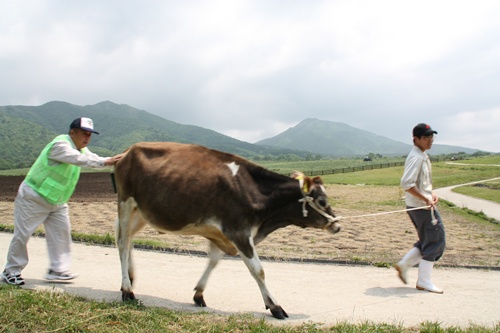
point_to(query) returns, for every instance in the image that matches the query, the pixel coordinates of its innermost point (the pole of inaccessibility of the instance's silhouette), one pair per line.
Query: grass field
(442, 174)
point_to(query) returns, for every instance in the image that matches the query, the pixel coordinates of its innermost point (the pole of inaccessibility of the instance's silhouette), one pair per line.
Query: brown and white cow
(191, 190)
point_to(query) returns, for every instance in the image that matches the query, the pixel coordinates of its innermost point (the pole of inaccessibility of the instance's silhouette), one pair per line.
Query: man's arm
(63, 152)
(430, 202)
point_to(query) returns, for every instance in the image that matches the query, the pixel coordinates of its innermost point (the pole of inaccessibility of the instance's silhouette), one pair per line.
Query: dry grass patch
(374, 239)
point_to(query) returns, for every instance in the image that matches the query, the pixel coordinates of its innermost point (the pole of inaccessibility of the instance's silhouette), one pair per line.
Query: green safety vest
(57, 183)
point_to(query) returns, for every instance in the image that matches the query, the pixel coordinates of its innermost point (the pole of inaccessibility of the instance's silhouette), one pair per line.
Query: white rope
(309, 200)
(434, 220)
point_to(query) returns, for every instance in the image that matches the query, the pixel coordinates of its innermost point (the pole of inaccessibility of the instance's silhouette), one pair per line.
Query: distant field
(444, 174)
(483, 160)
(285, 167)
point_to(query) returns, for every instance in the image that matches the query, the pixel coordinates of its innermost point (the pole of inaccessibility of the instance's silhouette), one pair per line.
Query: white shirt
(65, 152)
(418, 173)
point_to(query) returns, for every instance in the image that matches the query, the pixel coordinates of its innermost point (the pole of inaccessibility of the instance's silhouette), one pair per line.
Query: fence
(352, 169)
(372, 167)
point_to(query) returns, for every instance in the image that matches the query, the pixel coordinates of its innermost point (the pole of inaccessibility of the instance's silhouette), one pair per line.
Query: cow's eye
(322, 201)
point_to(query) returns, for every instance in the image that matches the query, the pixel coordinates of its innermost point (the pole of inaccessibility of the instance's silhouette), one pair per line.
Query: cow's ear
(297, 175)
(317, 180)
(307, 185)
(305, 182)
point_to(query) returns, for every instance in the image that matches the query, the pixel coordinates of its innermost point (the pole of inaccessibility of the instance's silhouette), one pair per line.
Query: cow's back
(177, 184)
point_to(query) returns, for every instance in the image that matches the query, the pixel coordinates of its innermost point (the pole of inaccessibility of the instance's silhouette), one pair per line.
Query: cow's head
(315, 198)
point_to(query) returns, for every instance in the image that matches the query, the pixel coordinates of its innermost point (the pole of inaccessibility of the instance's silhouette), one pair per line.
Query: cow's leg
(215, 254)
(255, 267)
(137, 224)
(128, 224)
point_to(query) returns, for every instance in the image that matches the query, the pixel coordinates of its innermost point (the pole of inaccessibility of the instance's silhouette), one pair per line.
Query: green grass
(446, 175)
(492, 159)
(487, 190)
(471, 215)
(442, 175)
(23, 310)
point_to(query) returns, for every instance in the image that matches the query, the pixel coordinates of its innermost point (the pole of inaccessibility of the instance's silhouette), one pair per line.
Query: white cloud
(251, 69)
(475, 129)
(267, 130)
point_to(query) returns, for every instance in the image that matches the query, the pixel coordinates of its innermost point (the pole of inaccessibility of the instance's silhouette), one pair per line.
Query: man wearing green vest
(43, 196)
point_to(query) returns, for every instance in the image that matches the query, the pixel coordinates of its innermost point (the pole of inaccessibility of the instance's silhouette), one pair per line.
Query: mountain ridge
(339, 139)
(24, 131)
(335, 139)
(119, 125)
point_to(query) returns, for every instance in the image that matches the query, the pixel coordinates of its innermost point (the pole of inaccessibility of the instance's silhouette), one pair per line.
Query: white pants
(31, 210)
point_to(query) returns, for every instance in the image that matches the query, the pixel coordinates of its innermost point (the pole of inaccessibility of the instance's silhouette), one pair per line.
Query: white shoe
(409, 260)
(15, 280)
(60, 276)
(424, 277)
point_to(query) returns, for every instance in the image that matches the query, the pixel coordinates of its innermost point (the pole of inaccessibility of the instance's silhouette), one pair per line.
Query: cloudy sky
(252, 69)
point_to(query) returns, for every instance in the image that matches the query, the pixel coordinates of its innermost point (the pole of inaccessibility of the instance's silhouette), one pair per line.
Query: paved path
(308, 292)
(489, 208)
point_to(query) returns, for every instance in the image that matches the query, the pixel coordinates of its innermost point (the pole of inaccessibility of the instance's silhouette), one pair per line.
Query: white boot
(424, 277)
(409, 260)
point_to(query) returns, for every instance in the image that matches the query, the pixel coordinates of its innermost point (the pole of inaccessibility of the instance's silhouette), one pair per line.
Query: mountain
(339, 139)
(25, 130)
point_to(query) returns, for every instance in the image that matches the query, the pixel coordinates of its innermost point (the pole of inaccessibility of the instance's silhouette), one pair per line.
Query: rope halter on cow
(308, 200)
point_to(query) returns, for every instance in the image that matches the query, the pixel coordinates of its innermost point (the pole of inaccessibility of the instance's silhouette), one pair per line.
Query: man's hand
(435, 199)
(114, 159)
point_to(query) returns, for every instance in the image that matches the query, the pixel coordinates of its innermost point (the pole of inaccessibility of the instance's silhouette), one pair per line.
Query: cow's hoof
(279, 313)
(128, 296)
(200, 301)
